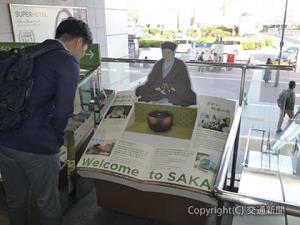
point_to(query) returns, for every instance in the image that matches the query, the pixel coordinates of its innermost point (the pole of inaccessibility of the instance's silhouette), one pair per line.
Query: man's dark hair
(168, 45)
(71, 28)
(292, 84)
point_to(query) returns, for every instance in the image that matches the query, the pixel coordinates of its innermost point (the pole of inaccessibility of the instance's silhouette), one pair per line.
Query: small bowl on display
(160, 120)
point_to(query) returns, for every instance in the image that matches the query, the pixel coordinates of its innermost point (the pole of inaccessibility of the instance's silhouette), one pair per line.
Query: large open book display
(181, 161)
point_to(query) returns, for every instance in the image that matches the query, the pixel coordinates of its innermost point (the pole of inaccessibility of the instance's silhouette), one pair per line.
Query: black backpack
(16, 83)
(281, 100)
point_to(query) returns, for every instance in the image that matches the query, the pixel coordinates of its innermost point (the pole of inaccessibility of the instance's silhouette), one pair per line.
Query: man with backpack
(286, 103)
(29, 159)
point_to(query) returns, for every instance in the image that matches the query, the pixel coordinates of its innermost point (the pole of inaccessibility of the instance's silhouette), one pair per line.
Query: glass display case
(90, 102)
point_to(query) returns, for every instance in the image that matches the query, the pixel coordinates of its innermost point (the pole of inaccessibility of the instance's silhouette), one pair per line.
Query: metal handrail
(232, 65)
(247, 151)
(246, 158)
(243, 199)
(244, 68)
(222, 172)
(237, 198)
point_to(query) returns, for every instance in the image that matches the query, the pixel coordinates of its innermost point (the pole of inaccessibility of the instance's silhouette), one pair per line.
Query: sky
(214, 11)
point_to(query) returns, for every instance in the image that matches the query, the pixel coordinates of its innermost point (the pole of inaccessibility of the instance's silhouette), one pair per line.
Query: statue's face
(168, 54)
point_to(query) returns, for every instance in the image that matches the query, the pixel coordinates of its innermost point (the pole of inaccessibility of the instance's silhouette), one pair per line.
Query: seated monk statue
(169, 81)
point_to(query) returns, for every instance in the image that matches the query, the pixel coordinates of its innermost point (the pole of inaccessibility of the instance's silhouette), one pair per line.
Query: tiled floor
(94, 215)
(86, 212)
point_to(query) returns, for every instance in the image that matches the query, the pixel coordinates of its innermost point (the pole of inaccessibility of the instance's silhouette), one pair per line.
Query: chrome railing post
(234, 159)
(221, 175)
(242, 85)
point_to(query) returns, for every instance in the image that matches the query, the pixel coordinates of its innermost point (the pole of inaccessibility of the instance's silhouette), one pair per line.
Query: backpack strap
(35, 52)
(42, 49)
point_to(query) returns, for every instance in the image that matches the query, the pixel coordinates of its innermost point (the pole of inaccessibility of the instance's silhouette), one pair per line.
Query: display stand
(165, 208)
(163, 176)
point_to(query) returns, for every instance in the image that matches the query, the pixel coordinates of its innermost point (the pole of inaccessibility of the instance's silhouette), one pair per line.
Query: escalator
(269, 182)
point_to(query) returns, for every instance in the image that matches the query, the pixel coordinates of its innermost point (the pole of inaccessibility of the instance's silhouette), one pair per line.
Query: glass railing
(261, 114)
(266, 163)
(121, 76)
(87, 88)
(219, 80)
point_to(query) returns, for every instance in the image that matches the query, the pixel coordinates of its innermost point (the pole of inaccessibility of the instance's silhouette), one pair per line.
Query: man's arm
(293, 101)
(64, 98)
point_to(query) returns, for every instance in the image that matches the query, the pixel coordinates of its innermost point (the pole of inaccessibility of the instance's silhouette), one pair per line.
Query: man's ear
(79, 42)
